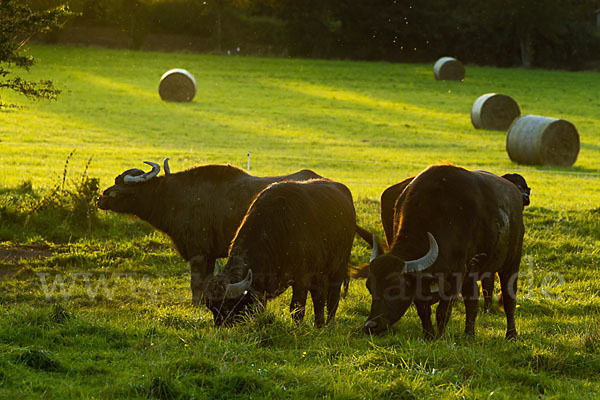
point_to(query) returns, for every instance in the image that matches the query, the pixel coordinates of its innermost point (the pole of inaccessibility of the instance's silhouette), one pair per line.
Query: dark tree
(18, 24)
(557, 33)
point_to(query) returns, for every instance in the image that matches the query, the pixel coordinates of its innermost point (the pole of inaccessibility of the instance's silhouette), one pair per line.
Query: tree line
(537, 33)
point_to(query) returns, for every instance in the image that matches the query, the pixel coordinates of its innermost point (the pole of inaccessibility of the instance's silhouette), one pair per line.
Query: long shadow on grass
(205, 121)
(199, 121)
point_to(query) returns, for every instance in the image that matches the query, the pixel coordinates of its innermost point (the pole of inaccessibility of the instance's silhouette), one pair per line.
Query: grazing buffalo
(473, 222)
(200, 209)
(391, 195)
(487, 281)
(296, 234)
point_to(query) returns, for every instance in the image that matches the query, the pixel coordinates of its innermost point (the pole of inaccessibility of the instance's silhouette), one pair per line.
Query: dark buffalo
(474, 222)
(296, 234)
(200, 209)
(391, 196)
(520, 183)
(392, 193)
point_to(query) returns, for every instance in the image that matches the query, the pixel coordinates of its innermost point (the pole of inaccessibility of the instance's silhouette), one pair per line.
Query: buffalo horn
(375, 251)
(166, 166)
(427, 260)
(235, 290)
(145, 176)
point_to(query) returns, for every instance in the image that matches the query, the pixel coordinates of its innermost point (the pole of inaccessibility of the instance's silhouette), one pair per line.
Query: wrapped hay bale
(177, 85)
(448, 69)
(494, 111)
(532, 139)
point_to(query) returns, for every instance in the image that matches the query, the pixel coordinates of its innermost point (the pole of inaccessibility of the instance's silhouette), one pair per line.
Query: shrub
(67, 210)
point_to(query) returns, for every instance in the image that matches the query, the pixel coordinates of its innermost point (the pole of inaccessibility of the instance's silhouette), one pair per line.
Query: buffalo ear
(360, 272)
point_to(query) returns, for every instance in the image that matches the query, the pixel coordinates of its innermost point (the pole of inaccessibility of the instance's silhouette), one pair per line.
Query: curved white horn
(166, 166)
(145, 176)
(375, 251)
(427, 260)
(235, 290)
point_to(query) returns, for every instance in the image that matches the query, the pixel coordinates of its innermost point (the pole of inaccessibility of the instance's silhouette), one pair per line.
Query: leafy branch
(18, 24)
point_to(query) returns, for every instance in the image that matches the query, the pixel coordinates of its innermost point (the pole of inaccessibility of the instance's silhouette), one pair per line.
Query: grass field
(95, 305)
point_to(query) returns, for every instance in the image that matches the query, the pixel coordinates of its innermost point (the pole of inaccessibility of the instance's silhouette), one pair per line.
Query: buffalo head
(121, 197)
(521, 184)
(393, 283)
(228, 300)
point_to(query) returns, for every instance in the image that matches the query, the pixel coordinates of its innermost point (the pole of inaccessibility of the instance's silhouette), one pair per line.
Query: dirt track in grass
(10, 256)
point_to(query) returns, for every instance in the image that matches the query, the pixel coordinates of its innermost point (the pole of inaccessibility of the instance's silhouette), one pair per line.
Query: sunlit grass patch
(100, 306)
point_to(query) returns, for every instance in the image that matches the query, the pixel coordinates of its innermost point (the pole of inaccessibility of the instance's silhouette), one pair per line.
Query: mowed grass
(101, 309)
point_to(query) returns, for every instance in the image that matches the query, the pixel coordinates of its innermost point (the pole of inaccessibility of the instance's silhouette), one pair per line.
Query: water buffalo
(474, 223)
(200, 209)
(520, 183)
(296, 234)
(391, 195)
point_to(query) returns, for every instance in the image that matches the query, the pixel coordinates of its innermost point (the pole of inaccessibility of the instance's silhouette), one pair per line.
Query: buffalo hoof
(511, 335)
(371, 327)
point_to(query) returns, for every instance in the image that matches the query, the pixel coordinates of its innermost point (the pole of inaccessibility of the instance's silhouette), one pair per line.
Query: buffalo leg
(199, 266)
(424, 311)
(470, 292)
(298, 304)
(449, 290)
(333, 300)
(442, 315)
(317, 295)
(508, 284)
(487, 287)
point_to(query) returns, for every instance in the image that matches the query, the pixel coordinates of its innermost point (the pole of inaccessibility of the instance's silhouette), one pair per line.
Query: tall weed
(64, 212)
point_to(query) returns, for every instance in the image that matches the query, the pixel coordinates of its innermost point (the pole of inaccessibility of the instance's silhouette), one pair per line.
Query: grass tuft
(162, 388)
(60, 314)
(37, 359)
(235, 386)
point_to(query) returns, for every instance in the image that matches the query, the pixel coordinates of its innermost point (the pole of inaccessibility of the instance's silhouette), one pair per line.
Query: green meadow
(97, 305)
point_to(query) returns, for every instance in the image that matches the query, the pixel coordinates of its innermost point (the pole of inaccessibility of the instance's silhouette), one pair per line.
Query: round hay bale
(177, 85)
(536, 140)
(448, 69)
(494, 111)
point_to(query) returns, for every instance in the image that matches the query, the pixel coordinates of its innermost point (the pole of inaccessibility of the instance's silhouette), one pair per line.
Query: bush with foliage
(19, 24)
(68, 210)
(545, 33)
